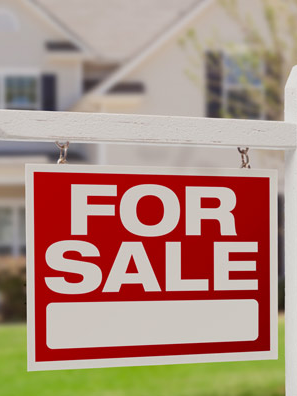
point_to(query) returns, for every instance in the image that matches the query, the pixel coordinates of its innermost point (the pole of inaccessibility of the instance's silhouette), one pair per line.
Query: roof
(70, 36)
(117, 30)
(142, 56)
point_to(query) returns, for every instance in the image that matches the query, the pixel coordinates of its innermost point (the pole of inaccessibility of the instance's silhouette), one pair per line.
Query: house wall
(23, 50)
(69, 81)
(169, 91)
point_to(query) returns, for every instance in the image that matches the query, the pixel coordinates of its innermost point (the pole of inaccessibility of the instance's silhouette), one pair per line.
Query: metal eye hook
(245, 160)
(63, 152)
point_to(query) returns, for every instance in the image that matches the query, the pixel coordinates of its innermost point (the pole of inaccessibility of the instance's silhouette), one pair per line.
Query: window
(28, 90)
(6, 231)
(234, 86)
(12, 230)
(21, 231)
(242, 87)
(21, 92)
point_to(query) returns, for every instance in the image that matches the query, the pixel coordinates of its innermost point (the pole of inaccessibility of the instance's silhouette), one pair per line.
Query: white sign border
(32, 365)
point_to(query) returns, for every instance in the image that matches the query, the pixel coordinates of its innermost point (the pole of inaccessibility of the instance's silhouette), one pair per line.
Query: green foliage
(262, 378)
(13, 296)
(281, 294)
(276, 55)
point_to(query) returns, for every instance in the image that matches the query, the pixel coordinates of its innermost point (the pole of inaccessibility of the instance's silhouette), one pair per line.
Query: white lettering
(91, 273)
(128, 210)
(194, 212)
(118, 275)
(222, 266)
(174, 282)
(80, 210)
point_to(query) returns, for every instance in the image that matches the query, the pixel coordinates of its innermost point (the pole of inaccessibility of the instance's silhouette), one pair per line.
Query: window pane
(21, 92)
(214, 88)
(242, 103)
(242, 69)
(5, 250)
(6, 231)
(22, 231)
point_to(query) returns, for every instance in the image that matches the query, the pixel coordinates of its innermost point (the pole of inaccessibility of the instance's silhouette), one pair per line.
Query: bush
(13, 296)
(281, 294)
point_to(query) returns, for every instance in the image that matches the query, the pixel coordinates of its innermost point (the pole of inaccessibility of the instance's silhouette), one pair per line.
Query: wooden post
(291, 241)
(49, 126)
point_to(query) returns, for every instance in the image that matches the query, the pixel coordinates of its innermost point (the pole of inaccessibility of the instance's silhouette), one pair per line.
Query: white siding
(168, 89)
(24, 50)
(170, 92)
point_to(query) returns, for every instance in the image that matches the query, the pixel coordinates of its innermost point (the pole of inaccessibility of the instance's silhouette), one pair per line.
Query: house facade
(40, 69)
(147, 57)
(177, 81)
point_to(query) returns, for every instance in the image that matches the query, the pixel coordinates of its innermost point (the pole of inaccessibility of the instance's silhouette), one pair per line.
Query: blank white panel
(103, 324)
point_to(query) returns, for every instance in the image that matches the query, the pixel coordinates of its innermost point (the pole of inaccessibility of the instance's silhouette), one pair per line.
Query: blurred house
(121, 57)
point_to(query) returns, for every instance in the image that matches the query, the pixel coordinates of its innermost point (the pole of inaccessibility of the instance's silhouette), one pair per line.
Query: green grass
(265, 378)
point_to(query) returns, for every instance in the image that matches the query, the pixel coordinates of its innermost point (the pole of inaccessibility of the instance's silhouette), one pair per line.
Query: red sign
(139, 266)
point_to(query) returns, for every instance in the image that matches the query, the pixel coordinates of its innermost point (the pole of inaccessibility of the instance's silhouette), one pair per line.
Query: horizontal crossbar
(146, 129)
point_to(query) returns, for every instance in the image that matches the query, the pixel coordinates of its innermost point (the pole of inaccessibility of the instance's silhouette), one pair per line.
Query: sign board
(139, 266)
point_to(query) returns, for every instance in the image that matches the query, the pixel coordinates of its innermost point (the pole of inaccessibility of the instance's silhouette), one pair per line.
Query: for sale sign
(139, 266)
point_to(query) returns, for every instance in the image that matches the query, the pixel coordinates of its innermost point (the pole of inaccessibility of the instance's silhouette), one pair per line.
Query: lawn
(216, 379)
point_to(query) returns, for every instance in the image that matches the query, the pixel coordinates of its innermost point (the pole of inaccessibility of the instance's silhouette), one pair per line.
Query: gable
(212, 24)
(49, 18)
(141, 58)
(104, 23)
(27, 33)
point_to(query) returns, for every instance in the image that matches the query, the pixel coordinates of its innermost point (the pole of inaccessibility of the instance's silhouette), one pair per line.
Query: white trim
(146, 361)
(42, 12)
(290, 242)
(128, 67)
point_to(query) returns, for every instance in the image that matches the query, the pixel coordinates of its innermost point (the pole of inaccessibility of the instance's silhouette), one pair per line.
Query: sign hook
(63, 152)
(245, 160)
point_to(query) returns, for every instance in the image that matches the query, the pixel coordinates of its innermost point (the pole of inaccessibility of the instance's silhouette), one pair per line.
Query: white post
(291, 241)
